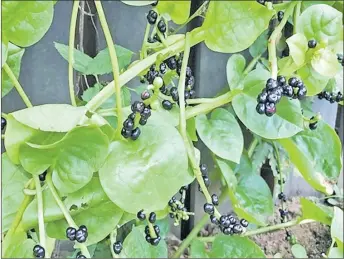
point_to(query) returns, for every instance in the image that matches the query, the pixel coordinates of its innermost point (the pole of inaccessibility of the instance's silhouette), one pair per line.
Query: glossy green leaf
(312, 79)
(235, 247)
(287, 66)
(197, 249)
(100, 220)
(316, 211)
(235, 68)
(227, 172)
(306, 4)
(317, 155)
(13, 181)
(285, 123)
(101, 64)
(299, 251)
(14, 57)
(81, 60)
(153, 167)
(135, 246)
(221, 134)
(337, 226)
(51, 117)
(179, 11)
(138, 3)
(298, 46)
(25, 22)
(73, 159)
(110, 102)
(322, 23)
(224, 22)
(260, 45)
(325, 62)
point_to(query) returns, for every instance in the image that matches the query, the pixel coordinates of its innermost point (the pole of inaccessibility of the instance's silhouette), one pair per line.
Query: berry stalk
(40, 211)
(273, 39)
(65, 212)
(71, 51)
(114, 63)
(17, 85)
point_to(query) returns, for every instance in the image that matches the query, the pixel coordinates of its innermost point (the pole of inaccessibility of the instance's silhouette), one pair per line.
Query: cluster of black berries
(117, 247)
(340, 59)
(79, 235)
(229, 224)
(152, 218)
(152, 17)
(129, 129)
(38, 251)
(204, 170)
(274, 91)
(331, 97)
(80, 256)
(3, 123)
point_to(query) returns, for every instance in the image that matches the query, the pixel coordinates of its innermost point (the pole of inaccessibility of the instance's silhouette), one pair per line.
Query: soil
(315, 237)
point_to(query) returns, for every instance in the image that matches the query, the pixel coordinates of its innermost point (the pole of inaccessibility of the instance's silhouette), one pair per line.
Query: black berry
(237, 229)
(128, 124)
(157, 229)
(3, 123)
(155, 241)
(117, 247)
(282, 196)
(227, 231)
(206, 181)
(145, 95)
(312, 44)
(209, 208)
(260, 108)
(280, 15)
(288, 91)
(152, 16)
(301, 93)
(163, 68)
(79, 255)
(162, 26)
(81, 235)
(38, 251)
(152, 217)
(137, 106)
(271, 84)
(244, 223)
(215, 199)
(143, 121)
(174, 94)
(281, 80)
(42, 176)
(141, 215)
(171, 63)
(270, 109)
(204, 169)
(190, 82)
(293, 81)
(213, 219)
(188, 72)
(313, 126)
(135, 133)
(83, 228)
(70, 233)
(262, 2)
(148, 238)
(262, 96)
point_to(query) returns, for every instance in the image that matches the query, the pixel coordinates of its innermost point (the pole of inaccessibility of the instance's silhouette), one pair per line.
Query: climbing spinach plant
(104, 171)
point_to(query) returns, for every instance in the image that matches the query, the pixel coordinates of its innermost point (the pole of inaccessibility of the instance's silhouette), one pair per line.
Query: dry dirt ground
(315, 237)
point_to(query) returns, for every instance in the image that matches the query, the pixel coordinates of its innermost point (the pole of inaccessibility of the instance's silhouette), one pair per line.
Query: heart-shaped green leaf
(298, 46)
(197, 249)
(317, 155)
(260, 45)
(14, 57)
(20, 246)
(152, 168)
(235, 68)
(221, 134)
(24, 23)
(234, 247)
(285, 123)
(322, 23)
(224, 22)
(325, 62)
(314, 82)
(13, 181)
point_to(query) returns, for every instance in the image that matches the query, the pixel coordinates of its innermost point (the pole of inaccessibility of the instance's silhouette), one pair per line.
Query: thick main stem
(40, 211)
(114, 63)
(17, 85)
(71, 51)
(65, 212)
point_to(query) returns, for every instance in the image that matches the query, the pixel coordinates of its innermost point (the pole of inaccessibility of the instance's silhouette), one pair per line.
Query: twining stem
(273, 38)
(65, 212)
(182, 124)
(297, 13)
(71, 51)
(125, 77)
(279, 168)
(114, 63)
(40, 212)
(186, 242)
(264, 229)
(17, 85)
(15, 223)
(143, 53)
